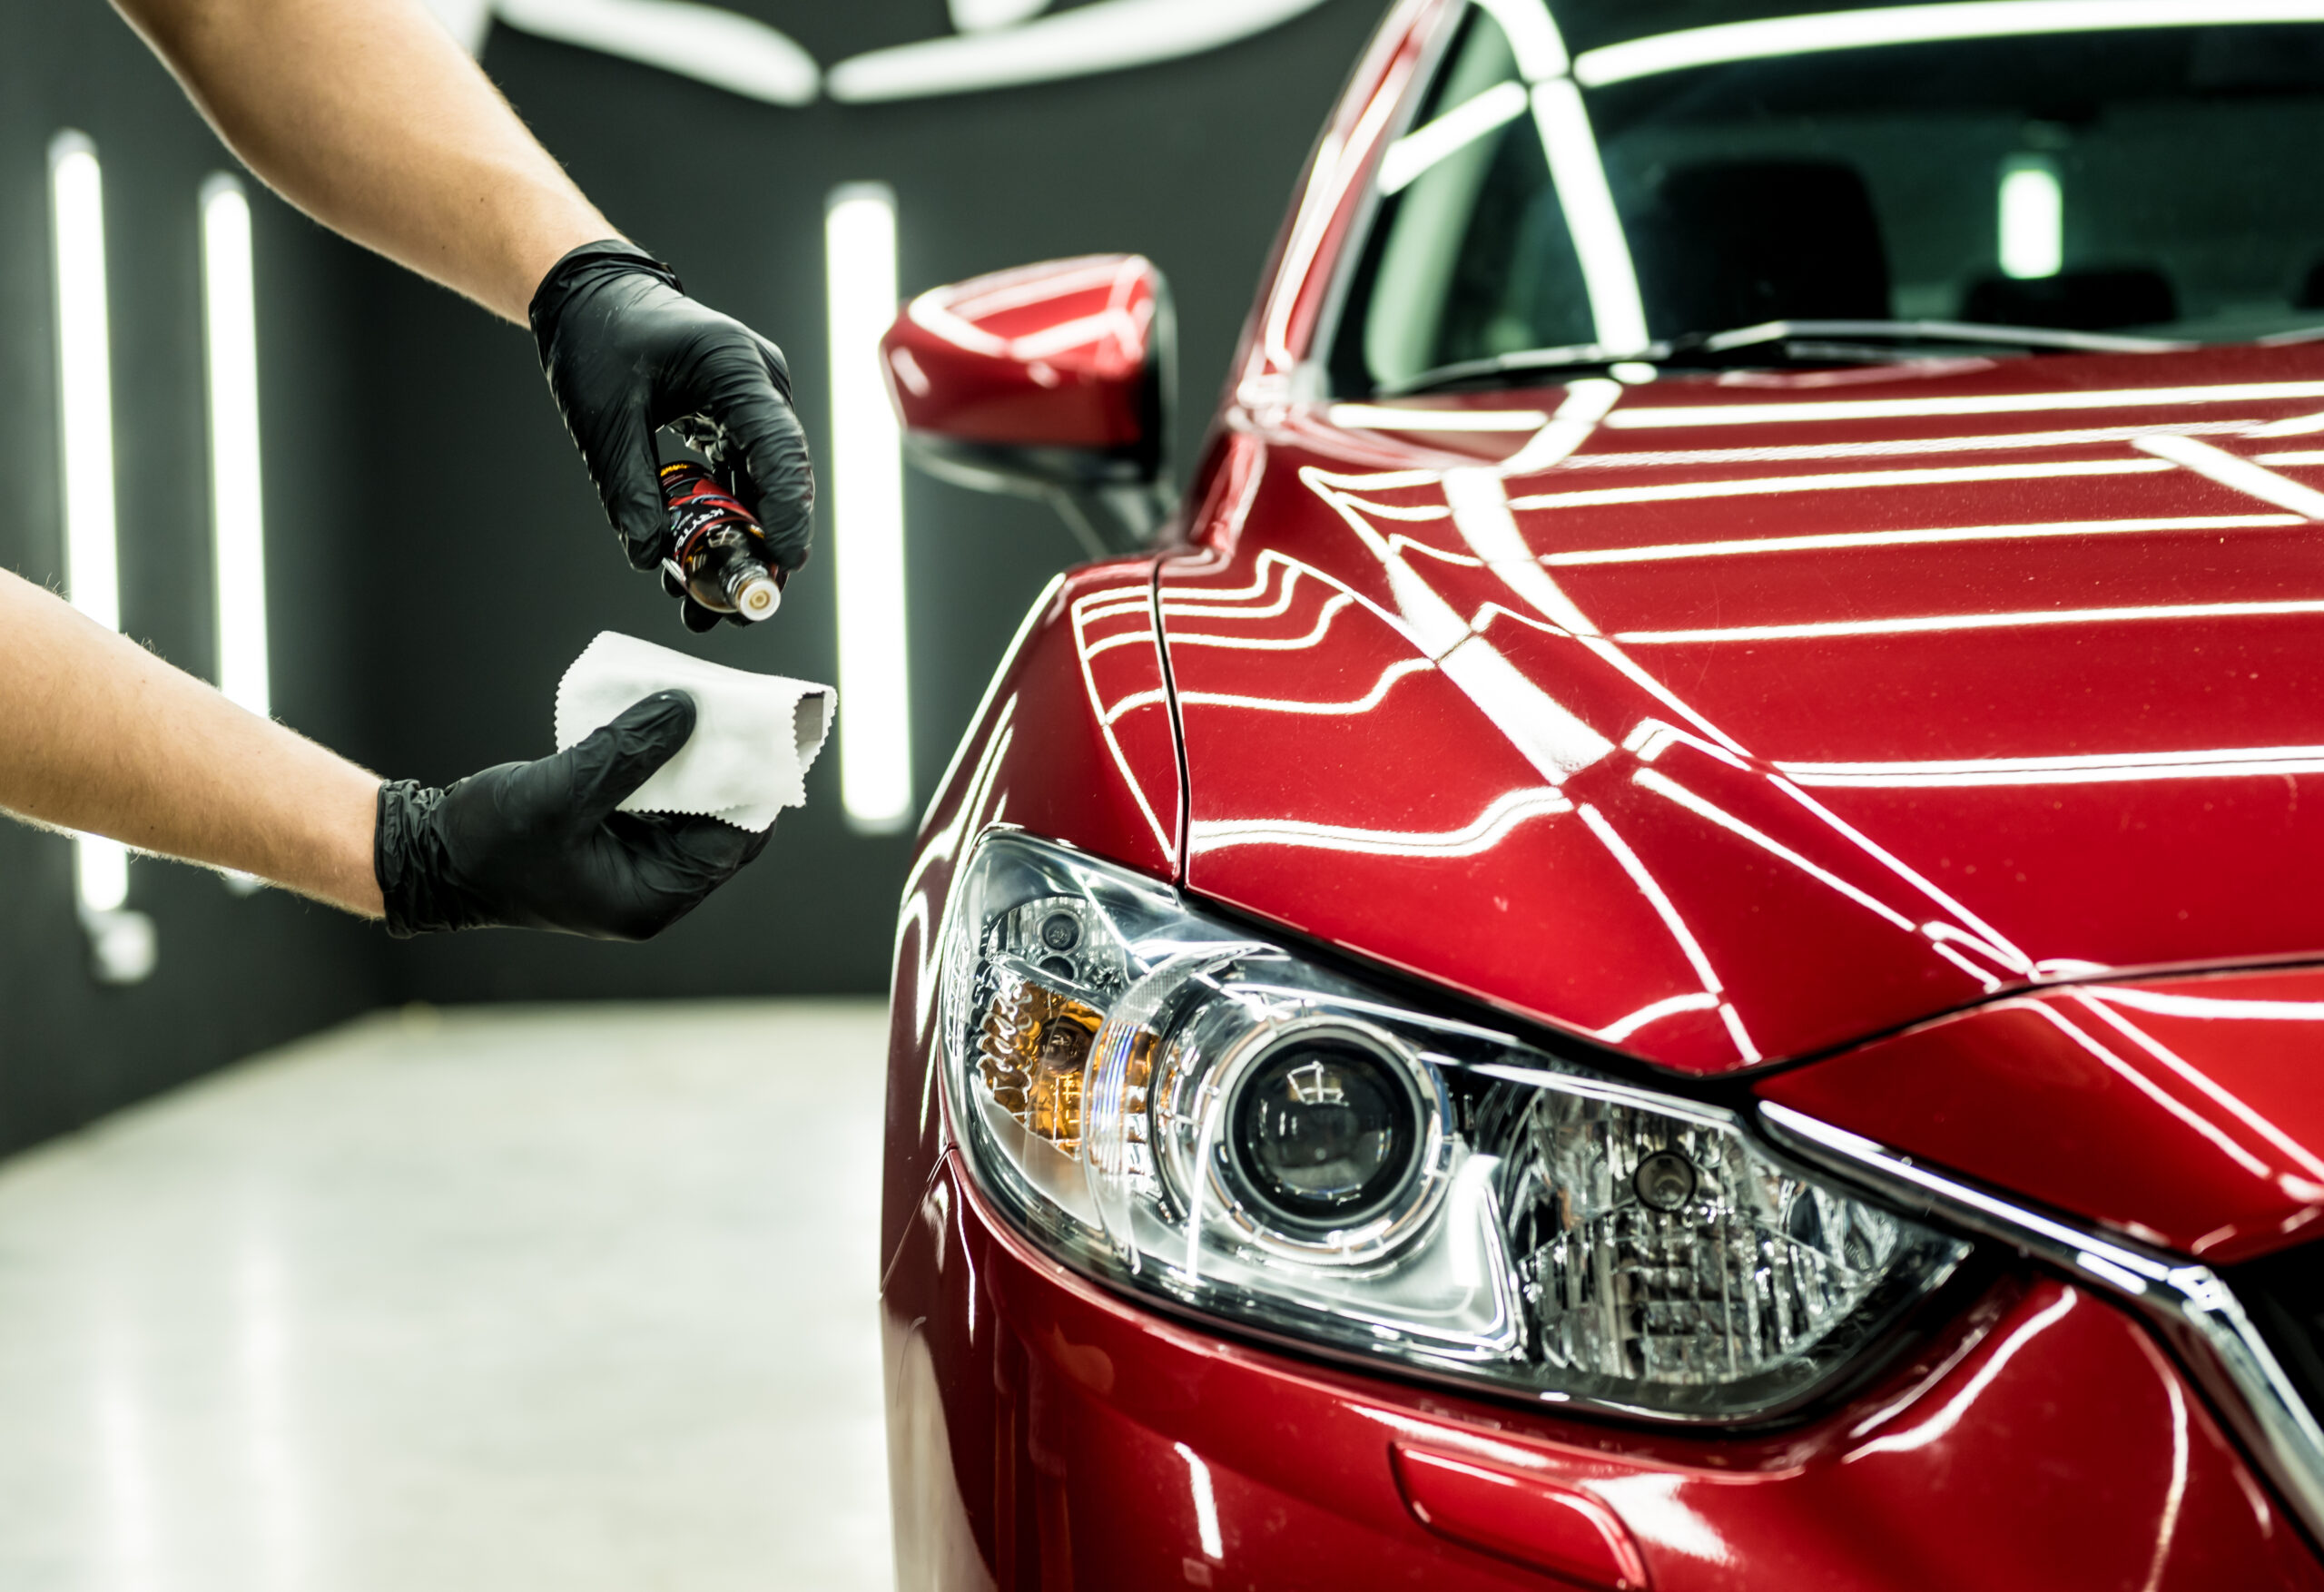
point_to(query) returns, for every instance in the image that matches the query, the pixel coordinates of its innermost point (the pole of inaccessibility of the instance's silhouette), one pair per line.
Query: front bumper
(1044, 1433)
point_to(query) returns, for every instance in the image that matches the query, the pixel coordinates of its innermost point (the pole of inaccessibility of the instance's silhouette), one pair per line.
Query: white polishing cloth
(754, 735)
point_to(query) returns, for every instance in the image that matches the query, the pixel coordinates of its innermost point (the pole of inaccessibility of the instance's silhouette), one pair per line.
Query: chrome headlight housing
(1179, 1107)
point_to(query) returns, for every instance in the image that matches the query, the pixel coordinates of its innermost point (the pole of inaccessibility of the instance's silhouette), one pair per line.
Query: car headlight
(1166, 1101)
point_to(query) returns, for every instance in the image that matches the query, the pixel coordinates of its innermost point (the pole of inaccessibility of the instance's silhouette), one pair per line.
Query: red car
(1671, 933)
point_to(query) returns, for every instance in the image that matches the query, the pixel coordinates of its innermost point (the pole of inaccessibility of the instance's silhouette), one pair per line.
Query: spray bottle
(717, 551)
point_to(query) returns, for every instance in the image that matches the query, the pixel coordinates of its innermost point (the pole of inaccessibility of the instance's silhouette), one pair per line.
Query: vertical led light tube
(85, 406)
(2032, 218)
(867, 490)
(237, 510)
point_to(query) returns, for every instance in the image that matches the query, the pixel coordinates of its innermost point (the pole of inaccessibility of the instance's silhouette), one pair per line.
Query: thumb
(611, 763)
(628, 471)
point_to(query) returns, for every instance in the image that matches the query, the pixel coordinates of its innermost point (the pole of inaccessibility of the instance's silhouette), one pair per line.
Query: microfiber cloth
(754, 735)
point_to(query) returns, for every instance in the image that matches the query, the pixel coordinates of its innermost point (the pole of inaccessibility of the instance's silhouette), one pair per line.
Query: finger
(702, 621)
(745, 387)
(670, 864)
(713, 846)
(673, 583)
(628, 471)
(606, 768)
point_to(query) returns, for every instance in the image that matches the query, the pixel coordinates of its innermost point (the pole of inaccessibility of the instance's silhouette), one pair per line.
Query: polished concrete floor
(567, 1298)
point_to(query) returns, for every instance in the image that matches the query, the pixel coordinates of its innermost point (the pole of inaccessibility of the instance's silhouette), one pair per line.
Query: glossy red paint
(1043, 756)
(1045, 1434)
(2183, 1112)
(1508, 1510)
(1050, 356)
(1720, 722)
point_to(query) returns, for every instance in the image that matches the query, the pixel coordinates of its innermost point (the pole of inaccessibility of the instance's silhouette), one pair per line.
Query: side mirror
(1055, 381)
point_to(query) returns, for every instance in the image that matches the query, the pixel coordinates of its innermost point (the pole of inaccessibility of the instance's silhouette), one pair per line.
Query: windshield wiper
(1576, 359)
(1933, 331)
(1795, 342)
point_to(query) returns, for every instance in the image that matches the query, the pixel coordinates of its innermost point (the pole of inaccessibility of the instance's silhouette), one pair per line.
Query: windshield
(1593, 178)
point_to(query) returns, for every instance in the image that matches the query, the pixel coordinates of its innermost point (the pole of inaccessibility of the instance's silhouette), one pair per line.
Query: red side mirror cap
(1053, 377)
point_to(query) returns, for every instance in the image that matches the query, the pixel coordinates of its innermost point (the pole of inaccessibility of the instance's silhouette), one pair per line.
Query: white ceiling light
(707, 43)
(1916, 25)
(1105, 37)
(976, 16)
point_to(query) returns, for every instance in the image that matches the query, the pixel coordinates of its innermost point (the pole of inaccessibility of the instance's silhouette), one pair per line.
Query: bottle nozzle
(757, 598)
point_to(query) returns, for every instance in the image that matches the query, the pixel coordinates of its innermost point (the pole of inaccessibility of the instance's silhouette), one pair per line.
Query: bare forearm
(364, 114)
(98, 734)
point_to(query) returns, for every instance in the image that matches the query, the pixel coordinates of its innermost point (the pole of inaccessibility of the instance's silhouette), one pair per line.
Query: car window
(1570, 181)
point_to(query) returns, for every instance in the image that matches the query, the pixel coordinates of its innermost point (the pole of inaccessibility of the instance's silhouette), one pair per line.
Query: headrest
(1734, 243)
(2074, 300)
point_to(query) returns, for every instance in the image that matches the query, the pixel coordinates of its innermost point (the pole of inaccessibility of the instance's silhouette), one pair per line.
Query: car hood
(1746, 718)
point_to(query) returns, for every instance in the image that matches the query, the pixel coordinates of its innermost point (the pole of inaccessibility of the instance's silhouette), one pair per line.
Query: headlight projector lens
(1330, 1131)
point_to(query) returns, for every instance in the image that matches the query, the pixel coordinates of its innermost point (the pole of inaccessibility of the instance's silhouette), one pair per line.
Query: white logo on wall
(1000, 44)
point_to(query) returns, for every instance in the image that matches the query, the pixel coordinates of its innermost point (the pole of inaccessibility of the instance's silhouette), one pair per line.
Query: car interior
(1868, 185)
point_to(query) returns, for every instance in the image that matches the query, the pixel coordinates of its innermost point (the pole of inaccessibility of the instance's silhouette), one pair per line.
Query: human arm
(98, 734)
(103, 736)
(367, 116)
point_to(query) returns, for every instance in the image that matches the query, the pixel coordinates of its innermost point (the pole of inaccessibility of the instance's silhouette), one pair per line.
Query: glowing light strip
(85, 404)
(1916, 25)
(1844, 540)
(1480, 835)
(1837, 481)
(2107, 768)
(1425, 147)
(2017, 403)
(1953, 622)
(1895, 447)
(868, 514)
(2305, 458)
(1105, 37)
(1373, 417)
(236, 503)
(2240, 474)
(1670, 790)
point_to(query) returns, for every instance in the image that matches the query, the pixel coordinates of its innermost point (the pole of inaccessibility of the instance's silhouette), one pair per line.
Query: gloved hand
(538, 845)
(626, 352)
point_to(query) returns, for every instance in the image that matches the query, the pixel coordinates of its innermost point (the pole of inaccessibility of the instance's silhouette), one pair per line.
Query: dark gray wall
(236, 974)
(437, 557)
(1191, 162)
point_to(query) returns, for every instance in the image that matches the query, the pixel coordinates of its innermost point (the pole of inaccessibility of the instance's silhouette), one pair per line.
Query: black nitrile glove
(538, 845)
(626, 352)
